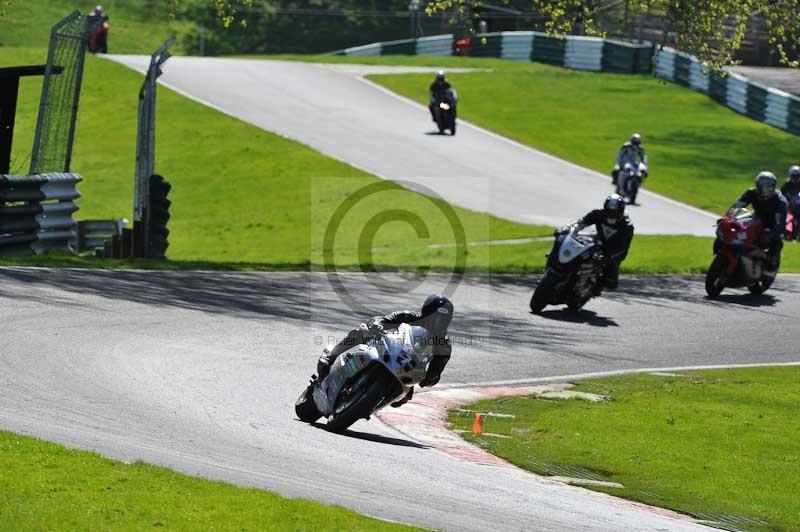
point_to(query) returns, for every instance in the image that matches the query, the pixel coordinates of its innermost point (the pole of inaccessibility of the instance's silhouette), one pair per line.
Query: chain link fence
(58, 107)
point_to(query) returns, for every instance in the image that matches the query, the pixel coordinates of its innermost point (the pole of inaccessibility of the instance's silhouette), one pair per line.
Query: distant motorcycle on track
(444, 110)
(630, 179)
(367, 378)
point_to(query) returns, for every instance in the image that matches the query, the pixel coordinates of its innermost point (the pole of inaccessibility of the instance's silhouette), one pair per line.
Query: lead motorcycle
(574, 272)
(630, 179)
(444, 111)
(367, 378)
(740, 258)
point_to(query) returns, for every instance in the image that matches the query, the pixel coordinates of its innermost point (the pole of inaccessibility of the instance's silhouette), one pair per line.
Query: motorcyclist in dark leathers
(615, 231)
(439, 91)
(436, 314)
(791, 186)
(770, 207)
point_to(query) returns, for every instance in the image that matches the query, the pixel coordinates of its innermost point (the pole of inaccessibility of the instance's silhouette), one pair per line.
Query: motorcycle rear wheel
(715, 277)
(366, 399)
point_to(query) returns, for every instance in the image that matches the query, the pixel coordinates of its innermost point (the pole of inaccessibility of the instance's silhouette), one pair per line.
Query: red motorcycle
(740, 257)
(792, 231)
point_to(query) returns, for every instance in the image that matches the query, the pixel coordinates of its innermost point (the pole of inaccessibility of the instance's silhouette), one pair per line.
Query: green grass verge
(700, 152)
(703, 442)
(45, 486)
(136, 27)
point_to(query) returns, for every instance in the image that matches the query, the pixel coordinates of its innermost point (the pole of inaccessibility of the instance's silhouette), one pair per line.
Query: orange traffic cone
(477, 424)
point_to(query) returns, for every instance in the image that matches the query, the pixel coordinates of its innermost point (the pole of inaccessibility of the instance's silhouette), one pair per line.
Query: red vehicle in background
(741, 258)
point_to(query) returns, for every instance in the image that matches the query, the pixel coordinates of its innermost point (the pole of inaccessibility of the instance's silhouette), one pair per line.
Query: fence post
(146, 150)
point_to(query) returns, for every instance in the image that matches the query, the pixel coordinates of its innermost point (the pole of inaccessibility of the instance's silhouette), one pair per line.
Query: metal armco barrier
(765, 104)
(579, 53)
(36, 212)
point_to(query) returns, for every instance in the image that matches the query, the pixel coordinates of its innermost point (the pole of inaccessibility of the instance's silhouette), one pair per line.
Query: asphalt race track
(199, 372)
(333, 109)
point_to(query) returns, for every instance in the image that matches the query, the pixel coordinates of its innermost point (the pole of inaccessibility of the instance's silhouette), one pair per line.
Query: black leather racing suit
(437, 92)
(772, 213)
(442, 347)
(790, 189)
(616, 240)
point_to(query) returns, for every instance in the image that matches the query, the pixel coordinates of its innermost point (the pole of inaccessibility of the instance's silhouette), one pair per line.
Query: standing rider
(439, 91)
(770, 207)
(437, 312)
(631, 152)
(615, 231)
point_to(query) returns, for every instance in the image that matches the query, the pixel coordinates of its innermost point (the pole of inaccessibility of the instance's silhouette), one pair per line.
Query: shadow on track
(746, 300)
(588, 317)
(376, 438)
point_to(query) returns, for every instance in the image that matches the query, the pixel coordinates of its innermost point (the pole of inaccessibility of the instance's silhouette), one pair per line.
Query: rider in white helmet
(631, 152)
(440, 90)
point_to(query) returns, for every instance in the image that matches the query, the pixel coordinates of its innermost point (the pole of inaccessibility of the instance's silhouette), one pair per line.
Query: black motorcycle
(444, 110)
(574, 272)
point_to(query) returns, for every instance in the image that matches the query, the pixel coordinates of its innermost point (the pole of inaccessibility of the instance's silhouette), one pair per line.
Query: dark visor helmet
(437, 313)
(614, 208)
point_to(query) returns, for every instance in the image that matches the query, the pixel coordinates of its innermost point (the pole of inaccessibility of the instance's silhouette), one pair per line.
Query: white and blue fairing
(405, 353)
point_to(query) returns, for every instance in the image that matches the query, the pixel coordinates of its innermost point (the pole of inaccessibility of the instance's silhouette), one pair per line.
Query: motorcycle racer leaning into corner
(436, 314)
(631, 152)
(770, 207)
(615, 231)
(438, 92)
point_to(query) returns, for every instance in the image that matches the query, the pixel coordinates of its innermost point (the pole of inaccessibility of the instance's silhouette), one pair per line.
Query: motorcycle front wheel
(543, 293)
(305, 408)
(715, 277)
(365, 395)
(761, 286)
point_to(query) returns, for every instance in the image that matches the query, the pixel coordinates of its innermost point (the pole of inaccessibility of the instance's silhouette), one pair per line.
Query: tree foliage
(710, 29)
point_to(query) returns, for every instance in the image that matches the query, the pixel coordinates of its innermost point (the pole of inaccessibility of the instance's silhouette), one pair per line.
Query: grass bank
(45, 486)
(136, 27)
(721, 443)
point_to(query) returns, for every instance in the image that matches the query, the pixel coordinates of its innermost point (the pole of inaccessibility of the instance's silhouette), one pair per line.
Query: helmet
(98, 10)
(437, 312)
(794, 173)
(636, 139)
(614, 208)
(765, 184)
(440, 75)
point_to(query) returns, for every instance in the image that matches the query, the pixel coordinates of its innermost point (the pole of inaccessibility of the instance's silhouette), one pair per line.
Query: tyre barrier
(759, 102)
(575, 52)
(36, 213)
